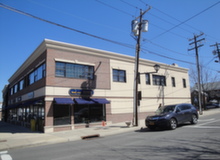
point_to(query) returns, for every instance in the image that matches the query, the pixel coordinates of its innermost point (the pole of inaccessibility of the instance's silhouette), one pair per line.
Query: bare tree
(208, 78)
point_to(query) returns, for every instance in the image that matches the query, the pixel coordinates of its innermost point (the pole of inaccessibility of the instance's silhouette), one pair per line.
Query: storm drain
(90, 136)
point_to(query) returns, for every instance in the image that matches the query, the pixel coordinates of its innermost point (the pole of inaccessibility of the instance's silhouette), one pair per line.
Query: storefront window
(89, 113)
(62, 115)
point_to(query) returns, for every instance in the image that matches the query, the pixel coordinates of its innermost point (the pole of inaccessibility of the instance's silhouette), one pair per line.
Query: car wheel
(194, 119)
(173, 123)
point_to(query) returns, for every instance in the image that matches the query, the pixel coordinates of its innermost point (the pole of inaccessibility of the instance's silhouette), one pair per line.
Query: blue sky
(171, 24)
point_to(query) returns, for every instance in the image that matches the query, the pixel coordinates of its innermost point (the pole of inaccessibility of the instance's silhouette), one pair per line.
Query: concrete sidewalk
(12, 136)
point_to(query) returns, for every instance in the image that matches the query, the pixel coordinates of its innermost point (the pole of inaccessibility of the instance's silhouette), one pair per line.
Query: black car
(171, 116)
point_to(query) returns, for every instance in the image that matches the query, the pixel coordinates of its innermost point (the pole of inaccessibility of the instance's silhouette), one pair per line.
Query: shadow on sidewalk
(10, 128)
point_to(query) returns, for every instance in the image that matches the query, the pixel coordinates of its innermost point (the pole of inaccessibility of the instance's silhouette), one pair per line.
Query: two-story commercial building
(64, 86)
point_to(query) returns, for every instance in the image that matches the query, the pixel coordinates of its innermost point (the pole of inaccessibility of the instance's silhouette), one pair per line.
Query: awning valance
(91, 101)
(63, 101)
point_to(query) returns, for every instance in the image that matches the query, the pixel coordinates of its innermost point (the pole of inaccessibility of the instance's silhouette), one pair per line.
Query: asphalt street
(199, 142)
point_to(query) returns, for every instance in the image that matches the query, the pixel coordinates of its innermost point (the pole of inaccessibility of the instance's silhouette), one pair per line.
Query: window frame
(184, 82)
(119, 75)
(159, 80)
(72, 70)
(147, 77)
(173, 81)
(37, 74)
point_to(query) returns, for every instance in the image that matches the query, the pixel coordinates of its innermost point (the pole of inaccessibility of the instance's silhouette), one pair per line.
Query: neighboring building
(210, 92)
(63, 86)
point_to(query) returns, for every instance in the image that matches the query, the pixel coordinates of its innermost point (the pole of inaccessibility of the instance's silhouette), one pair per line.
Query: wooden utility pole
(136, 76)
(196, 46)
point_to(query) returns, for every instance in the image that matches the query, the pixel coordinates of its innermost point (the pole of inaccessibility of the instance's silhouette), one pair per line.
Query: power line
(183, 22)
(88, 34)
(166, 48)
(63, 26)
(151, 52)
(115, 8)
(75, 16)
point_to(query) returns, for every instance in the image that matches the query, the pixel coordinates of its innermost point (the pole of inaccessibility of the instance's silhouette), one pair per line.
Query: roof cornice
(51, 44)
(106, 54)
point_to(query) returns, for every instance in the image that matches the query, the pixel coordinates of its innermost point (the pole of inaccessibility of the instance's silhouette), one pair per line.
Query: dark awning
(91, 101)
(33, 102)
(63, 101)
(38, 101)
(12, 106)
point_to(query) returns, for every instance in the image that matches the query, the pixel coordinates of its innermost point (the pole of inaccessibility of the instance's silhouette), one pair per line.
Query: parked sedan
(171, 116)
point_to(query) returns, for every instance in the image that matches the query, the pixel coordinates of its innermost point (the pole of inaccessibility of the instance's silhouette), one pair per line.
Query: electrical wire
(115, 8)
(63, 26)
(88, 34)
(183, 22)
(151, 52)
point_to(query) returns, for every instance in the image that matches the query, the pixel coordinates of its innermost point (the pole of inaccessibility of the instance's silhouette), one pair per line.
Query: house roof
(208, 86)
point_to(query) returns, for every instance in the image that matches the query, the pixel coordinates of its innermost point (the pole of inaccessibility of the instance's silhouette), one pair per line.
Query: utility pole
(196, 46)
(217, 51)
(138, 25)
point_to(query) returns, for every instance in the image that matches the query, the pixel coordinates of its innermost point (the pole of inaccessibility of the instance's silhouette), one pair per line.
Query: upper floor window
(37, 74)
(16, 88)
(71, 70)
(184, 83)
(147, 75)
(31, 78)
(12, 91)
(119, 75)
(21, 85)
(159, 80)
(173, 82)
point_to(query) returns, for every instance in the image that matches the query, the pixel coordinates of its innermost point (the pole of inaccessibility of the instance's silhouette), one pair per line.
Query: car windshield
(165, 109)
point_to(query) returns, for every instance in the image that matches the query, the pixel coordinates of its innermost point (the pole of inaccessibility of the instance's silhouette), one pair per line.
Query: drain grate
(90, 136)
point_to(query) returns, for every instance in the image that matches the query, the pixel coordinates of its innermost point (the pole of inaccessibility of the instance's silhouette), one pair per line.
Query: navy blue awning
(91, 101)
(63, 101)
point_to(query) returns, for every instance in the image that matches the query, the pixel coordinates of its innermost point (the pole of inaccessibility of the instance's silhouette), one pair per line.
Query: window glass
(21, 84)
(15, 88)
(184, 83)
(60, 69)
(159, 80)
(74, 70)
(35, 76)
(173, 82)
(89, 113)
(185, 107)
(62, 115)
(147, 75)
(44, 70)
(39, 72)
(70, 70)
(12, 91)
(119, 75)
(31, 78)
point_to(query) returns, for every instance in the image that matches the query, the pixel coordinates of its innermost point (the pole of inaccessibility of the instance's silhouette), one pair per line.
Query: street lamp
(156, 67)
